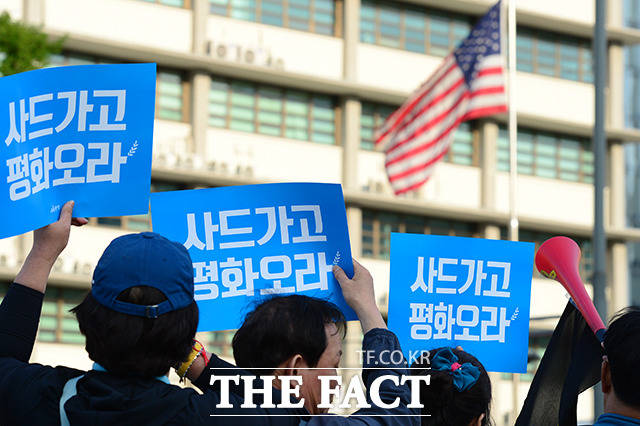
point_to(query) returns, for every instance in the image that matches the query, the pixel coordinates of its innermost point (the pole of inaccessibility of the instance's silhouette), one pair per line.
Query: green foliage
(23, 47)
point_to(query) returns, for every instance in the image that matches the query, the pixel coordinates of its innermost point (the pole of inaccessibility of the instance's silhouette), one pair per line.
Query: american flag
(467, 85)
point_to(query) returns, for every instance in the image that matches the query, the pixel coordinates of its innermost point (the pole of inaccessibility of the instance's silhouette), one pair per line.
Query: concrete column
(619, 293)
(492, 232)
(200, 14)
(351, 32)
(619, 285)
(200, 86)
(615, 99)
(617, 189)
(615, 11)
(619, 288)
(488, 164)
(350, 146)
(33, 12)
(354, 221)
(351, 110)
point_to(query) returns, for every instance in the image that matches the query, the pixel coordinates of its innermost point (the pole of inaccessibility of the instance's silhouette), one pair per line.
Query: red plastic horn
(558, 258)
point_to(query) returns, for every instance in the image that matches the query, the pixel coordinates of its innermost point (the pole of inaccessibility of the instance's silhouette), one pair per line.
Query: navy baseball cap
(145, 259)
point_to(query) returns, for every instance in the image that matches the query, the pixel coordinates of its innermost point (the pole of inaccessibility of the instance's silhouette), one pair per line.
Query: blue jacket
(610, 419)
(30, 393)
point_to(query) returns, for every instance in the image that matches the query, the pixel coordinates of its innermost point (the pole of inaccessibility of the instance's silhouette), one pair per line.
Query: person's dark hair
(282, 327)
(130, 345)
(621, 344)
(444, 403)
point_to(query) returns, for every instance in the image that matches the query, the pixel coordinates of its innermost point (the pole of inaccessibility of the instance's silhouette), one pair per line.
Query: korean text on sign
(83, 133)
(450, 291)
(250, 242)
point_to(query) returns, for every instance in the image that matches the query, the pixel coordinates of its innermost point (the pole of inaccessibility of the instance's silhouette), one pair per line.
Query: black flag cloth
(570, 365)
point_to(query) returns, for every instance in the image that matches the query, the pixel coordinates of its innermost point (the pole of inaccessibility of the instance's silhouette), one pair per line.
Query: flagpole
(513, 161)
(513, 125)
(599, 155)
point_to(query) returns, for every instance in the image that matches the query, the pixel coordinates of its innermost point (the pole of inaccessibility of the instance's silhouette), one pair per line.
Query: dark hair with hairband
(460, 389)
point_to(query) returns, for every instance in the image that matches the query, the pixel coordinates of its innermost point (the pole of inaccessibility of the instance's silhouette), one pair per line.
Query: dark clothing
(609, 419)
(569, 366)
(375, 343)
(30, 393)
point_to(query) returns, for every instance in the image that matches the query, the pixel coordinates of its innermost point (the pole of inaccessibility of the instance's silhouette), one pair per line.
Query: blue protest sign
(250, 242)
(82, 133)
(469, 292)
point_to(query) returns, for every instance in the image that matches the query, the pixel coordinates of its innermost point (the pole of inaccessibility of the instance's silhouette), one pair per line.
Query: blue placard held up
(82, 133)
(250, 242)
(469, 292)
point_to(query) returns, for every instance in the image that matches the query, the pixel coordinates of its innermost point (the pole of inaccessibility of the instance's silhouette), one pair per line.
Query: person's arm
(378, 341)
(20, 308)
(359, 294)
(48, 243)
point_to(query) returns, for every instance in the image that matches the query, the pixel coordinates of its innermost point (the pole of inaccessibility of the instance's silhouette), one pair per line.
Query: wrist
(365, 308)
(43, 255)
(195, 362)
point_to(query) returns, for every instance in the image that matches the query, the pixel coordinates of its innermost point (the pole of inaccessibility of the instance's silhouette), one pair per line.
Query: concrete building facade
(253, 91)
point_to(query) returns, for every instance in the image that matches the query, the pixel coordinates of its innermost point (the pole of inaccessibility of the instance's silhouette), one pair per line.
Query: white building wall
(554, 98)
(56, 354)
(14, 7)
(274, 47)
(393, 69)
(9, 252)
(171, 140)
(549, 199)
(125, 21)
(546, 97)
(451, 184)
(579, 11)
(273, 159)
(85, 247)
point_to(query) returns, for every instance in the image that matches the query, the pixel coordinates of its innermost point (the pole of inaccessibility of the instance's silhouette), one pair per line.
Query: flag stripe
(436, 115)
(408, 130)
(414, 144)
(400, 114)
(421, 157)
(468, 84)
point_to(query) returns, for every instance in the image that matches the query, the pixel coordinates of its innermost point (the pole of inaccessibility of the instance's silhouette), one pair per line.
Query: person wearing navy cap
(139, 320)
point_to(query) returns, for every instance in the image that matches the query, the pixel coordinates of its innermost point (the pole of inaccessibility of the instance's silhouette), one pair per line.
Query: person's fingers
(357, 268)
(340, 275)
(79, 221)
(66, 213)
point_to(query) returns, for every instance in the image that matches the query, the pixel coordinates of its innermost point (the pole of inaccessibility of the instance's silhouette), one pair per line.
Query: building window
(464, 148)
(377, 227)
(219, 342)
(373, 116)
(175, 3)
(415, 29)
(555, 55)
(57, 324)
(171, 88)
(537, 345)
(170, 96)
(631, 13)
(273, 111)
(632, 86)
(438, 33)
(66, 59)
(548, 155)
(317, 16)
